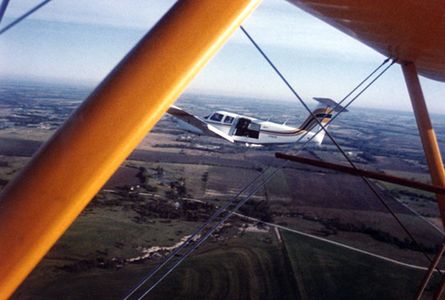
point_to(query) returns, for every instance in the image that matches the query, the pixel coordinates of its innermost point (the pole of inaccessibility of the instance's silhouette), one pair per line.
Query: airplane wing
(196, 124)
(406, 30)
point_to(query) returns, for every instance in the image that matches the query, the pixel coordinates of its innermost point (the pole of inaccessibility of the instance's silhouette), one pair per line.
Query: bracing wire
(367, 182)
(405, 229)
(343, 108)
(3, 7)
(24, 16)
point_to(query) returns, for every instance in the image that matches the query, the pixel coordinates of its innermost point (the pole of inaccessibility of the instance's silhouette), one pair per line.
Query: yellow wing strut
(45, 198)
(426, 131)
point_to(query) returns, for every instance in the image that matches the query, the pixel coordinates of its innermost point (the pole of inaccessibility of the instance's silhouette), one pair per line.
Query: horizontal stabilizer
(331, 103)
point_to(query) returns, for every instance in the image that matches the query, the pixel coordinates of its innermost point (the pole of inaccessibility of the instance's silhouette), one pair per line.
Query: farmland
(174, 181)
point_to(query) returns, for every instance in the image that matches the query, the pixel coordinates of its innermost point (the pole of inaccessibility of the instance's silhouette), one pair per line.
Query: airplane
(251, 131)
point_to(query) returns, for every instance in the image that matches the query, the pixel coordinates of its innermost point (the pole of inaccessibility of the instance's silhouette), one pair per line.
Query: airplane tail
(323, 112)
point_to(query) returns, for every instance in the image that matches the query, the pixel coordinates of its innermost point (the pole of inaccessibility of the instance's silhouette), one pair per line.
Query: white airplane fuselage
(249, 130)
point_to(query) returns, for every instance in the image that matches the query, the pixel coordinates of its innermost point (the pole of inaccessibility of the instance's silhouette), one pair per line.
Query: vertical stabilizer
(323, 112)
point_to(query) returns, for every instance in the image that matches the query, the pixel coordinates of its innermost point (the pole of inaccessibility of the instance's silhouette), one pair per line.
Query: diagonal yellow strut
(45, 198)
(426, 131)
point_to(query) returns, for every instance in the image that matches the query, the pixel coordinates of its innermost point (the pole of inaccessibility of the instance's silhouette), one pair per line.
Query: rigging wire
(379, 197)
(3, 7)
(190, 239)
(427, 277)
(367, 182)
(343, 108)
(24, 16)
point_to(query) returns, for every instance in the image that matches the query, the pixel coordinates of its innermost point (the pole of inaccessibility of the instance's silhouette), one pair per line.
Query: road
(336, 243)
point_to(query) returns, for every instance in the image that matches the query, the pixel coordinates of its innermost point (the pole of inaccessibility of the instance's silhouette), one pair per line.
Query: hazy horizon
(88, 87)
(82, 41)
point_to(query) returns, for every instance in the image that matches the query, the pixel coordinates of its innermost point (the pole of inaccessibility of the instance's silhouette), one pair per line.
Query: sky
(81, 41)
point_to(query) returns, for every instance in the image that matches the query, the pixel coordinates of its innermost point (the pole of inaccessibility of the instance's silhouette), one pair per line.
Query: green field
(247, 266)
(243, 268)
(113, 233)
(326, 271)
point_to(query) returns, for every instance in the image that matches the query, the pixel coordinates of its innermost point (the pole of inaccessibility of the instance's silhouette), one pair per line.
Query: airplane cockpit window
(228, 120)
(216, 117)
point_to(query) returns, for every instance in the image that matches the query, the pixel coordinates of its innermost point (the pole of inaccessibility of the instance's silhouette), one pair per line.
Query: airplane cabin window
(254, 127)
(254, 130)
(216, 117)
(228, 120)
(245, 127)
